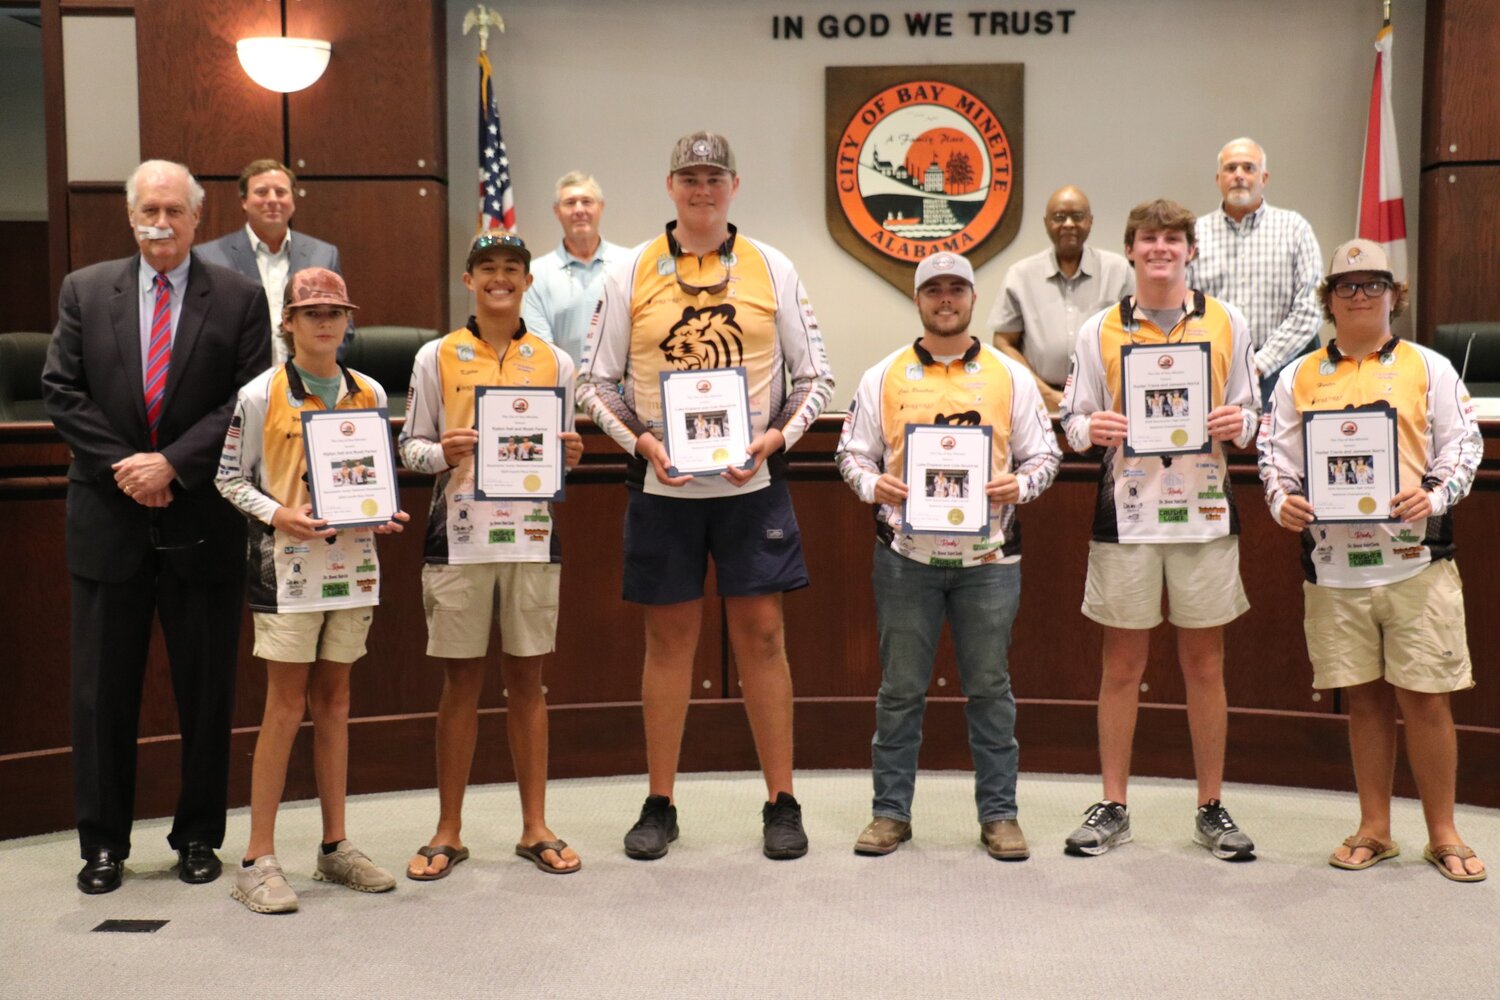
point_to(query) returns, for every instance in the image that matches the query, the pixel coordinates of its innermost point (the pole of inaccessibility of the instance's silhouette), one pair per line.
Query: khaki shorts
(461, 600)
(1409, 633)
(304, 636)
(1125, 579)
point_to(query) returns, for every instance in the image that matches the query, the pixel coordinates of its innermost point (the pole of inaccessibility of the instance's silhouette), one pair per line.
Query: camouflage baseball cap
(316, 286)
(702, 149)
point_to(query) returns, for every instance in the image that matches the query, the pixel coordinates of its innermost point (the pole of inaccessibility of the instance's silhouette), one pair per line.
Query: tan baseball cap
(702, 149)
(316, 286)
(1359, 255)
(941, 264)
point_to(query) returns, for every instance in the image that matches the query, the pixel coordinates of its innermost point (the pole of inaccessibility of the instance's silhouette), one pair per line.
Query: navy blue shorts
(753, 538)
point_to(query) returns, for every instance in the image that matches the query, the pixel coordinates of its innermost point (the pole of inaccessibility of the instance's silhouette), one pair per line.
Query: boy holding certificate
(311, 587)
(700, 299)
(1162, 519)
(1383, 600)
(484, 554)
(969, 398)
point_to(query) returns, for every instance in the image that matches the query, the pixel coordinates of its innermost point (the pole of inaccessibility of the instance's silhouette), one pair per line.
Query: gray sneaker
(350, 866)
(1105, 825)
(263, 887)
(1215, 830)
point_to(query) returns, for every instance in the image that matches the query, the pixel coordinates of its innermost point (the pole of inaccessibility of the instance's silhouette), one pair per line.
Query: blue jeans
(980, 602)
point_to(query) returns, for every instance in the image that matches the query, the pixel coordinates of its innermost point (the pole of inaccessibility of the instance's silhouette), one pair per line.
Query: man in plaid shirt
(1261, 258)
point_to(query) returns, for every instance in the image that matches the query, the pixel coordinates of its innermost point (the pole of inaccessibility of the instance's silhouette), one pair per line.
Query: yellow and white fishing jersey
(445, 373)
(983, 388)
(1437, 437)
(263, 467)
(1148, 498)
(741, 305)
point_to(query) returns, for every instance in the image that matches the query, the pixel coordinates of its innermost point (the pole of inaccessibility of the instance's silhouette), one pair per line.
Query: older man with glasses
(1048, 295)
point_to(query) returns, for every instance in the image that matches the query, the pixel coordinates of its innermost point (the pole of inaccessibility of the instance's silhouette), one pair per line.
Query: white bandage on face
(154, 232)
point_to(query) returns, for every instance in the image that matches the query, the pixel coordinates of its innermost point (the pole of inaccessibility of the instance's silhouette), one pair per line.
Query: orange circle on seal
(923, 166)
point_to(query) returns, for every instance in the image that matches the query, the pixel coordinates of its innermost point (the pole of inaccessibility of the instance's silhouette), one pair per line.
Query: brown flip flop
(1437, 856)
(533, 853)
(453, 854)
(1378, 853)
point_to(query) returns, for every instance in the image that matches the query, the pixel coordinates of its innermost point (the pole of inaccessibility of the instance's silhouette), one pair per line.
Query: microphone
(1468, 349)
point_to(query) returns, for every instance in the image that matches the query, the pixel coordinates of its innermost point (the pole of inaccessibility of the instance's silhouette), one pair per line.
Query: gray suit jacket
(233, 250)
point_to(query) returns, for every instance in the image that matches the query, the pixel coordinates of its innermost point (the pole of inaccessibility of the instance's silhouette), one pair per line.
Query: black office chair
(22, 356)
(1474, 349)
(385, 354)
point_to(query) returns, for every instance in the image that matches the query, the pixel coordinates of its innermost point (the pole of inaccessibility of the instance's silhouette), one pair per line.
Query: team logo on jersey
(1327, 368)
(527, 350)
(914, 373)
(666, 264)
(919, 163)
(705, 338)
(465, 352)
(968, 418)
(971, 367)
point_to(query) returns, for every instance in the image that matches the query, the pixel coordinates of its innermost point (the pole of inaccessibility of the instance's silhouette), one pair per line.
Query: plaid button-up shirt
(1269, 265)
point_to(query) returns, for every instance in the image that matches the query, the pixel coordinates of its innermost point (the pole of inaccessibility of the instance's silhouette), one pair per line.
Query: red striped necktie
(158, 353)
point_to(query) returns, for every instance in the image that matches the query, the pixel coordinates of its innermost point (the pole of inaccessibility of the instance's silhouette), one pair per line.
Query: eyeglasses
(1077, 218)
(1346, 289)
(714, 289)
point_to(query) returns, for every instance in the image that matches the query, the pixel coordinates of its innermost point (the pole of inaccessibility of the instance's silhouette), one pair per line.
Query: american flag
(1382, 212)
(497, 204)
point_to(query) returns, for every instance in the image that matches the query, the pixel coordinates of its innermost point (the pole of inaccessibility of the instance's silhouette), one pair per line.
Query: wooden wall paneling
(55, 112)
(1459, 247)
(385, 84)
(25, 300)
(392, 237)
(34, 591)
(1477, 556)
(98, 226)
(1461, 105)
(221, 209)
(197, 105)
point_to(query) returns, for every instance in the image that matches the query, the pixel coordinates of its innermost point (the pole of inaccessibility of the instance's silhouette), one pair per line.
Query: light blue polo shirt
(564, 290)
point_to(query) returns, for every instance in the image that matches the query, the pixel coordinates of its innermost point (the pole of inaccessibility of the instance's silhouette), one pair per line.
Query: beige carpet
(1157, 918)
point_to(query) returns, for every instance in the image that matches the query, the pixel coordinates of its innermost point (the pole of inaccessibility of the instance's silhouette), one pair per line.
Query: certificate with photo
(1351, 463)
(519, 455)
(706, 421)
(351, 468)
(1167, 393)
(946, 469)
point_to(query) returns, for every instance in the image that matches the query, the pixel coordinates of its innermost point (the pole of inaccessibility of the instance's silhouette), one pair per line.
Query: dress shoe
(1004, 840)
(882, 836)
(101, 872)
(197, 863)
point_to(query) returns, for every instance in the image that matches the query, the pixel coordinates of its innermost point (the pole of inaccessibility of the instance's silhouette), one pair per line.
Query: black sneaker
(782, 820)
(656, 828)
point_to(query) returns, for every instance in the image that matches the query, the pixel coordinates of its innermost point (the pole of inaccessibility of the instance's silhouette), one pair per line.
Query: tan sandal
(1379, 852)
(1437, 857)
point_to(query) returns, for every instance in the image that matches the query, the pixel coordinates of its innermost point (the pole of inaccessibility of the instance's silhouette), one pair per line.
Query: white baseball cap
(941, 264)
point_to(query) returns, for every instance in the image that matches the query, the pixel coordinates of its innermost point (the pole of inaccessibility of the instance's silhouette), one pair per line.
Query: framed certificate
(946, 469)
(705, 420)
(1351, 465)
(1166, 393)
(519, 455)
(351, 471)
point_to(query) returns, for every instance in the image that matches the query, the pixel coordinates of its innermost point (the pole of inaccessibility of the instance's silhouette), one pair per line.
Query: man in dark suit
(266, 250)
(140, 381)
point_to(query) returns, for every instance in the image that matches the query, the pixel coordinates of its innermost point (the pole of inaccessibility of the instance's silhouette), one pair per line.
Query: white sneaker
(350, 866)
(263, 887)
